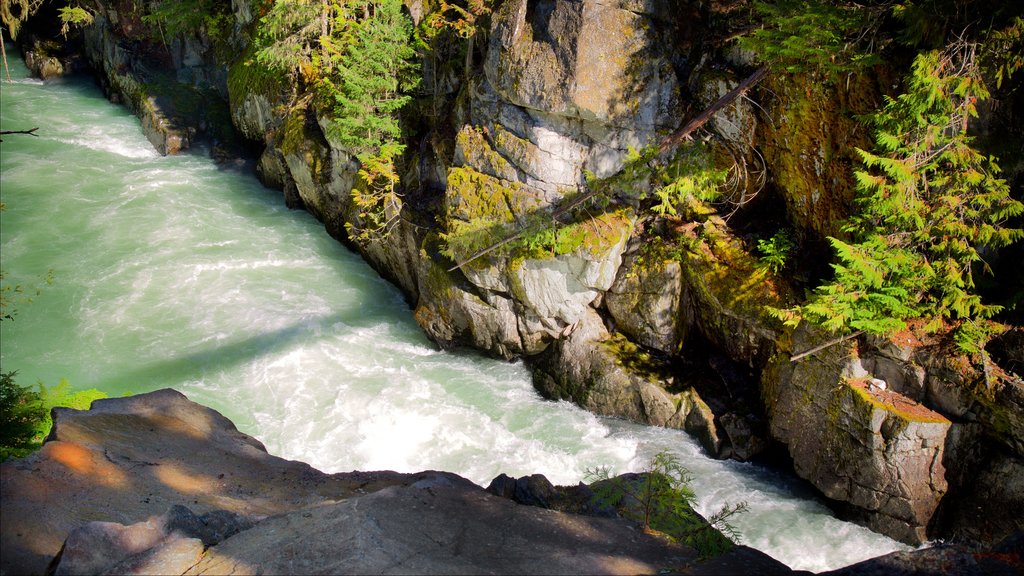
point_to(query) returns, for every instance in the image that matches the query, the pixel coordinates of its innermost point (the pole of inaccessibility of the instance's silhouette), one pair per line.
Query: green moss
(247, 76)
(594, 235)
(437, 281)
(293, 132)
(479, 196)
(864, 398)
(478, 152)
(479, 212)
(723, 271)
(635, 359)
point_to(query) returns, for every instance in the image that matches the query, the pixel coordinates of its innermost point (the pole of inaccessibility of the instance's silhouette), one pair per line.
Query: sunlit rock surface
(158, 484)
(875, 449)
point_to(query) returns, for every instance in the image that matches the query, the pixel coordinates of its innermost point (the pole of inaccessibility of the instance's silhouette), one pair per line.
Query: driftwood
(670, 142)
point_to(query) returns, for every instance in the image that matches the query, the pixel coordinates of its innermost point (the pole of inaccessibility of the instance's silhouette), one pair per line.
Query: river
(174, 272)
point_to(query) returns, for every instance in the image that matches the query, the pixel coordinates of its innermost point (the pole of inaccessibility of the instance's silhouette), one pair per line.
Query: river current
(174, 272)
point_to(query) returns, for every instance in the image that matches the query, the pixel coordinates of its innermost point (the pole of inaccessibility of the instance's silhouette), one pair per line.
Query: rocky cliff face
(156, 484)
(660, 320)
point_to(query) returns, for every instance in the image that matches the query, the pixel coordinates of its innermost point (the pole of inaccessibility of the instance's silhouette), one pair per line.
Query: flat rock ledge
(157, 484)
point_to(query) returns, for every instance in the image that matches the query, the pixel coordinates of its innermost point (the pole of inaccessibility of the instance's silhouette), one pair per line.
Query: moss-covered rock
(646, 300)
(726, 292)
(809, 147)
(874, 449)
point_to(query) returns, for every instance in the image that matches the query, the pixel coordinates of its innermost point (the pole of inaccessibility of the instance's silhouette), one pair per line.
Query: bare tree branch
(683, 133)
(670, 142)
(31, 132)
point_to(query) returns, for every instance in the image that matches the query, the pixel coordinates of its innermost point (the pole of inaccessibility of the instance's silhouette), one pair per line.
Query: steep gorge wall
(608, 317)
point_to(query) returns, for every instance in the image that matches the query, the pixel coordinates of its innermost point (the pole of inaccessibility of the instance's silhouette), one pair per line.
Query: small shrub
(25, 413)
(661, 499)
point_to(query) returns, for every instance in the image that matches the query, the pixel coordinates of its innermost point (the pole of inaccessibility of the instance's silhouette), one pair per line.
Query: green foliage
(661, 500)
(827, 38)
(11, 296)
(875, 289)
(293, 30)
(25, 413)
(972, 335)
(691, 175)
(369, 84)
(176, 17)
(73, 16)
(929, 203)
(355, 59)
(463, 18)
(1004, 51)
(776, 251)
(21, 413)
(375, 195)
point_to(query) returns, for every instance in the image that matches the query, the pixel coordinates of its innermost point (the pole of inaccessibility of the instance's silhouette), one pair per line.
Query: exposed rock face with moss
(873, 448)
(809, 147)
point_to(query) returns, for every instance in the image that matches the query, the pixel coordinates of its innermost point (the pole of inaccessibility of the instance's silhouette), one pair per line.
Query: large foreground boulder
(158, 484)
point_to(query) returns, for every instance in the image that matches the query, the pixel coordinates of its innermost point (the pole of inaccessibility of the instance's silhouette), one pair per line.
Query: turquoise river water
(174, 272)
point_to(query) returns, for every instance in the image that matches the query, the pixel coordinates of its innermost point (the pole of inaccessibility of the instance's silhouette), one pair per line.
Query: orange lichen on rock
(895, 402)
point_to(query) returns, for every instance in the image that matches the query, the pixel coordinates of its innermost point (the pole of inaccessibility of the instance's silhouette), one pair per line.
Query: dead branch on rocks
(669, 143)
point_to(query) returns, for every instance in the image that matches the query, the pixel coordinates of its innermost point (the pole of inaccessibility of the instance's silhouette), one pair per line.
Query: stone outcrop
(1005, 558)
(875, 449)
(158, 484)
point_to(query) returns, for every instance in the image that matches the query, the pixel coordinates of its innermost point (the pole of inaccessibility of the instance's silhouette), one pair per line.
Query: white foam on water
(95, 140)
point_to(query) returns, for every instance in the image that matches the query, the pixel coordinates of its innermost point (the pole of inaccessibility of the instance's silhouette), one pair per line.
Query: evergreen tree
(929, 204)
(355, 60)
(370, 84)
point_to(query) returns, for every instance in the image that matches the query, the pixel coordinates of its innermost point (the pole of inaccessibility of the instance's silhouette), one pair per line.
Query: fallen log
(677, 137)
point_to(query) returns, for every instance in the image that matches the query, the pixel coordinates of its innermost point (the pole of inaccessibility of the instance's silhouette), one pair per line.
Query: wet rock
(743, 440)
(594, 369)
(1004, 559)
